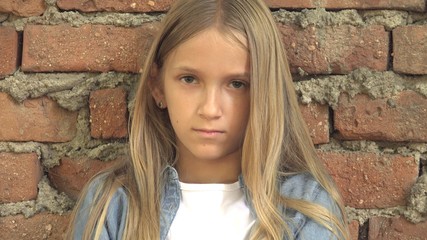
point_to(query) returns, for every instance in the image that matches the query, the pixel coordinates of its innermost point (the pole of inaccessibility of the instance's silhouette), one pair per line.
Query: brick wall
(67, 75)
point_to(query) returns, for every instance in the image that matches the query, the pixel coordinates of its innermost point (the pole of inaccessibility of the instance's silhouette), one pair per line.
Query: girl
(218, 146)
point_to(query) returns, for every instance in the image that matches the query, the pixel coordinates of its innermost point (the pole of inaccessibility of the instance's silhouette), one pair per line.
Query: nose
(210, 104)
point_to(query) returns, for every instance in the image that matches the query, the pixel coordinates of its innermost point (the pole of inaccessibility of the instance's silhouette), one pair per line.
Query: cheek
(174, 116)
(175, 122)
(178, 113)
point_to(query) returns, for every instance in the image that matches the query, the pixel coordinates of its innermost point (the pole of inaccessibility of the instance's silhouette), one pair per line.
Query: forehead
(212, 48)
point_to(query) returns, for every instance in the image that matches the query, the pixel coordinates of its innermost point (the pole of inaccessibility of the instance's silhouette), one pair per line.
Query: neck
(193, 170)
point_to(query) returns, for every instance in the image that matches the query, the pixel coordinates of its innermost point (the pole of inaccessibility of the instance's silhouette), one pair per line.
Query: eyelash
(184, 78)
(241, 84)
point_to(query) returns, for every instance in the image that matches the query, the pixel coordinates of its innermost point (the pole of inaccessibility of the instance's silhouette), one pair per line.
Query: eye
(238, 84)
(188, 79)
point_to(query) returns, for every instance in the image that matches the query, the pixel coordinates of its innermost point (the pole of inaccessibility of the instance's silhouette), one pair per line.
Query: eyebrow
(195, 71)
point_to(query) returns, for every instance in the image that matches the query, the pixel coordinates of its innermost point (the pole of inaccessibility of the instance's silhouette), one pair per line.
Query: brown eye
(188, 79)
(237, 84)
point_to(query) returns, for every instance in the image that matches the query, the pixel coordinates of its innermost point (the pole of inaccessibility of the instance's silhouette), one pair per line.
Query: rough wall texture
(67, 75)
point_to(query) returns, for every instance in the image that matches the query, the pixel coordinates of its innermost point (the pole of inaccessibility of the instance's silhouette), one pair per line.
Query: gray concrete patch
(71, 90)
(327, 89)
(417, 202)
(52, 16)
(3, 17)
(362, 215)
(388, 18)
(48, 199)
(22, 86)
(84, 146)
(77, 97)
(320, 18)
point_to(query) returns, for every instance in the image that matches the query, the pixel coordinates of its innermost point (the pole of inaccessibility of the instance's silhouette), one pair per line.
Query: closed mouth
(208, 131)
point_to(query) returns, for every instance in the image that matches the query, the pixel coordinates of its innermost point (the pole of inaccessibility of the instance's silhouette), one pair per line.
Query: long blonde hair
(276, 143)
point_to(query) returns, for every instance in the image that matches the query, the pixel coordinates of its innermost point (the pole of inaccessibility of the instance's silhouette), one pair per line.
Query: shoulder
(306, 188)
(303, 186)
(95, 188)
(116, 212)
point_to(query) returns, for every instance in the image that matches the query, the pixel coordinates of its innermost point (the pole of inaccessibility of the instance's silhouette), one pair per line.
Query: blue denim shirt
(301, 186)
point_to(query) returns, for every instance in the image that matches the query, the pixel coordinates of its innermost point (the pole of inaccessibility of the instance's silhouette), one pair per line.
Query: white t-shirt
(211, 211)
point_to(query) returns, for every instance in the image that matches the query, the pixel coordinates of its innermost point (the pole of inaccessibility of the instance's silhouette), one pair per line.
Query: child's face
(206, 88)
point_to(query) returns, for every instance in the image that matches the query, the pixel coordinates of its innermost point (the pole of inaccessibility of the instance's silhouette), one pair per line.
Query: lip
(208, 132)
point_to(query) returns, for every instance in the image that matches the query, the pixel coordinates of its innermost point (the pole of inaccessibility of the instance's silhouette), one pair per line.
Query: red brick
(25, 8)
(354, 230)
(400, 118)
(396, 228)
(108, 113)
(336, 49)
(115, 6)
(410, 49)
(412, 5)
(92, 48)
(8, 50)
(19, 175)
(369, 180)
(316, 117)
(41, 120)
(73, 174)
(39, 226)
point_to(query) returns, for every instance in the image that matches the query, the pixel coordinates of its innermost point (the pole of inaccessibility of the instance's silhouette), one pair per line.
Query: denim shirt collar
(170, 200)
